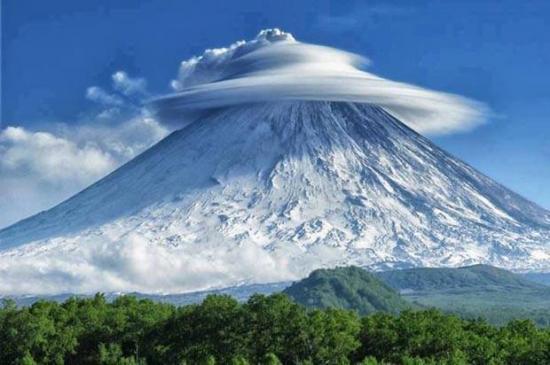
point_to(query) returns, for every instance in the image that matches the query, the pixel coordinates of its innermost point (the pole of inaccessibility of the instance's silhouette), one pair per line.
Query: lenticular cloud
(274, 66)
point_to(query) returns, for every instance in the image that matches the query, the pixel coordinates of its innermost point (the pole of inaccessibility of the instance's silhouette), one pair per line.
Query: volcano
(268, 191)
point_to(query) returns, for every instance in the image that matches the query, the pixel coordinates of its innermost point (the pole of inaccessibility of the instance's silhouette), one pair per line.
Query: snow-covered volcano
(269, 192)
(266, 192)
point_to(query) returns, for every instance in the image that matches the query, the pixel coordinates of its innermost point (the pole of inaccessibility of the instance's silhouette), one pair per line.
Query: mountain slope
(346, 288)
(269, 192)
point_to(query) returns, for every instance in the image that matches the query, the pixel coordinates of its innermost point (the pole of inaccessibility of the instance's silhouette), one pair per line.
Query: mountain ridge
(471, 277)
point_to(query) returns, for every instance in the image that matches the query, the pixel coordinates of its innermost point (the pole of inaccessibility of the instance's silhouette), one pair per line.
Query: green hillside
(471, 292)
(469, 277)
(346, 288)
(474, 291)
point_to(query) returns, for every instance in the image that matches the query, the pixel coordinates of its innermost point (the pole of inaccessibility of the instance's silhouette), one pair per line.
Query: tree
(271, 359)
(267, 330)
(275, 324)
(369, 360)
(209, 329)
(332, 335)
(239, 360)
(27, 360)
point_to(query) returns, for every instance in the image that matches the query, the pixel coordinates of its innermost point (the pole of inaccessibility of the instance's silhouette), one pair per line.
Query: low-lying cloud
(274, 66)
(133, 264)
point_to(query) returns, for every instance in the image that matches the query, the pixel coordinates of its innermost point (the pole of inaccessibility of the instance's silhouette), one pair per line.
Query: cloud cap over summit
(274, 67)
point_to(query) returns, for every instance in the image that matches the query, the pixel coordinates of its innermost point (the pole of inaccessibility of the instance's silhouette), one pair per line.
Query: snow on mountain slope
(267, 192)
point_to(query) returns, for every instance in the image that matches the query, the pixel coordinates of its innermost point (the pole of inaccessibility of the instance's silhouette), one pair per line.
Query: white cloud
(128, 85)
(98, 95)
(41, 168)
(274, 66)
(50, 159)
(213, 64)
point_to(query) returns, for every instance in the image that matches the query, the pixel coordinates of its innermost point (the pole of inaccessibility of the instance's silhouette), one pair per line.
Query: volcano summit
(287, 158)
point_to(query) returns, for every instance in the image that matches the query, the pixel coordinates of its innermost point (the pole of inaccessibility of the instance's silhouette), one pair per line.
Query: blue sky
(496, 52)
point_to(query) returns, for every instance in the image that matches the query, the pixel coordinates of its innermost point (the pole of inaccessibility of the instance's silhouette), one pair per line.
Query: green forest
(264, 330)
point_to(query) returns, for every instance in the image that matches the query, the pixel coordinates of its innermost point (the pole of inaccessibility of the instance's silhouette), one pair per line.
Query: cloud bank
(133, 264)
(274, 66)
